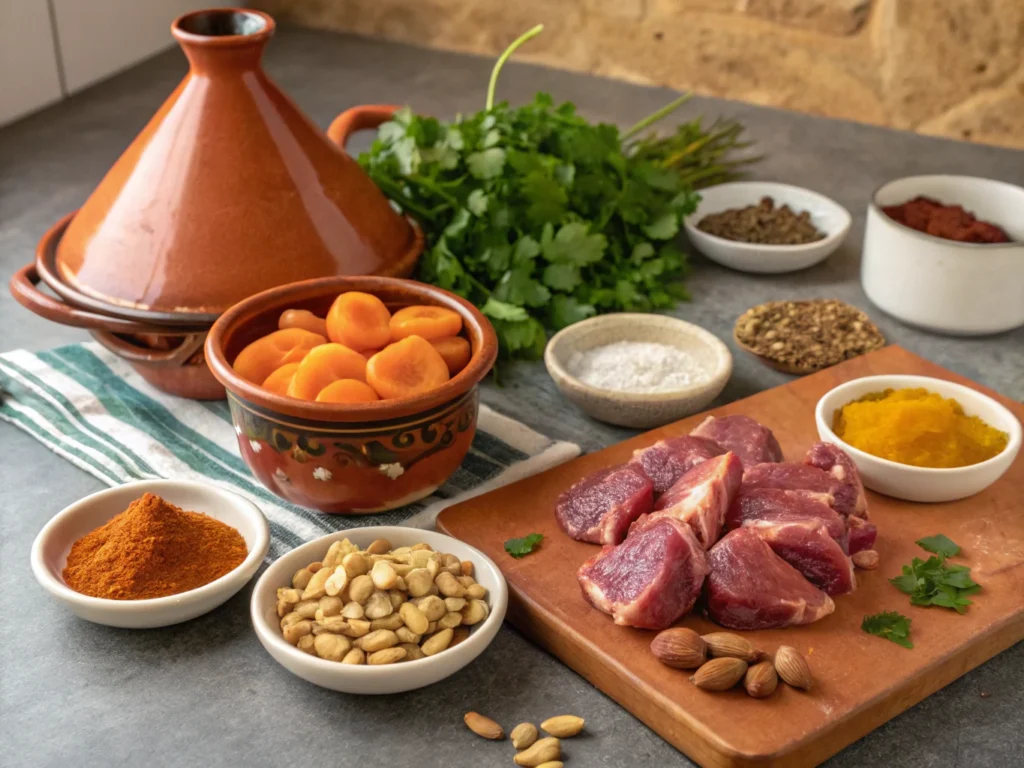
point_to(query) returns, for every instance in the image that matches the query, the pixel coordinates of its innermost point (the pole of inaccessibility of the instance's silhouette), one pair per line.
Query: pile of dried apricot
(359, 353)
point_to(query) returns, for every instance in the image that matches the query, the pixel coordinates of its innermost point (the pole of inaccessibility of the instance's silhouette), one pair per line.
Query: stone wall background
(951, 68)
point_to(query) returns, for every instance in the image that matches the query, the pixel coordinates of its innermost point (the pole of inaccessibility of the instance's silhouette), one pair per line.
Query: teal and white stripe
(92, 408)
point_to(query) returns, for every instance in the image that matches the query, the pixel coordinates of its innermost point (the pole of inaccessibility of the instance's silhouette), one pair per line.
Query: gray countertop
(205, 692)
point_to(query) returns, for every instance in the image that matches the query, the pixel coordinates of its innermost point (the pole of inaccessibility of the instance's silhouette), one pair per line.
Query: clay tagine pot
(350, 458)
(228, 191)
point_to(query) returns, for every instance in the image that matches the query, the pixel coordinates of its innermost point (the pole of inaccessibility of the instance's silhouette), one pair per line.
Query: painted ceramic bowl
(350, 458)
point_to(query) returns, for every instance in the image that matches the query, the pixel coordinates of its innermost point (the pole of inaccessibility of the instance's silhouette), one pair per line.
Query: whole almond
(792, 667)
(483, 726)
(540, 752)
(866, 559)
(523, 735)
(731, 645)
(563, 726)
(680, 648)
(719, 674)
(761, 679)
(552, 764)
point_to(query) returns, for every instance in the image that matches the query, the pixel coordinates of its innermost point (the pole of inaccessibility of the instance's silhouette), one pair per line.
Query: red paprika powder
(950, 222)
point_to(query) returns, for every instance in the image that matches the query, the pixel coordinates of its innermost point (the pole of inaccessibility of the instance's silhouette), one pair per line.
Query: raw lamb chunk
(834, 460)
(600, 508)
(861, 535)
(779, 506)
(702, 496)
(668, 460)
(800, 477)
(750, 441)
(808, 547)
(750, 587)
(651, 579)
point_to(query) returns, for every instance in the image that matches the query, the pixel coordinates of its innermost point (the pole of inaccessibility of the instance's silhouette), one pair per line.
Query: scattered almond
(732, 645)
(563, 726)
(680, 648)
(523, 735)
(761, 679)
(483, 726)
(792, 667)
(540, 752)
(866, 559)
(719, 674)
(552, 764)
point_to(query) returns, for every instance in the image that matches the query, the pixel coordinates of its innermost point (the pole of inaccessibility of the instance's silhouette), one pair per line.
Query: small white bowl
(384, 678)
(903, 481)
(51, 547)
(965, 289)
(639, 410)
(826, 214)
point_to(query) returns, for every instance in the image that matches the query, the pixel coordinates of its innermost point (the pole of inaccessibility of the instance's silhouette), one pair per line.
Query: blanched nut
(450, 620)
(335, 624)
(379, 547)
(475, 612)
(331, 647)
(465, 581)
(433, 568)
(459, 634)
(315, 589)
(447, 585)
(413, 618)
(331, 606)
(392, 622)
(454, 603)
(355, 564)
(421, 546)
(383, 575)
(355, 656)
(420, 558)
(412, 652)
(418, 582)
(293, 632)
(452, 564)
(400, 584)
(378, 606)
(307, 608)
(287, 595)
(387, 656)
(406, 635)
(433, 607)
(306, 644)
(337, 581)
(360, 589)
(431, 627)
(314, 567)
(402, 569)
(356, 628)
(476, 592)
(352, 610)
(378, 641)
(437, 642)
(290, 618)
(301, 578)
(334, 554)
(396, 598)
(284, 608)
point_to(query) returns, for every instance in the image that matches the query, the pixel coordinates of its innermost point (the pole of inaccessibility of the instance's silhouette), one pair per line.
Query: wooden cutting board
(861, 680)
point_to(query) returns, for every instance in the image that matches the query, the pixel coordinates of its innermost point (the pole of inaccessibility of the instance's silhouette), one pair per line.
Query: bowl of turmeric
(353, 394)
(919, 438)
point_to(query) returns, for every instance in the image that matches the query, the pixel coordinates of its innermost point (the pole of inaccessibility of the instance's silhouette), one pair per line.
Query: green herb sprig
(933, 581)
(524, 546)
(890, 625)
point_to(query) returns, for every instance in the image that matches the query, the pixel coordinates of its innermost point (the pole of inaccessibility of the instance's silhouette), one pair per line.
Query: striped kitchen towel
(90, 407)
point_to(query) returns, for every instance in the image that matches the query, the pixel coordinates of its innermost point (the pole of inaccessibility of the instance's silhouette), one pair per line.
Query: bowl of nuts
(378, 610)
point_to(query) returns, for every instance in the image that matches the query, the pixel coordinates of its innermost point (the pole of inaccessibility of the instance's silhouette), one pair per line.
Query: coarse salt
(637, 366)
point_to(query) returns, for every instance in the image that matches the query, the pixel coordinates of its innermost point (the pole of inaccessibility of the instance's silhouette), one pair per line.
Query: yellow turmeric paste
(918, 427)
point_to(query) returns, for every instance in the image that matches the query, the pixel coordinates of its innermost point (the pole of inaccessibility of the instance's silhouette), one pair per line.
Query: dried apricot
(264, 356)
(455, 351)
(426, 322)
(359, 321)
(279, 380)
(368, 353)
(324, 364)
(347, 391)
(407, 367)
(302, 318)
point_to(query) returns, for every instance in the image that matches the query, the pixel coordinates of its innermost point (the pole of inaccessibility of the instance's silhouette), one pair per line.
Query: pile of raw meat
(789, 529)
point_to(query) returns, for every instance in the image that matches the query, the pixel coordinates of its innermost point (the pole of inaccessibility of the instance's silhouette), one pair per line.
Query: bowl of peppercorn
(766, 227)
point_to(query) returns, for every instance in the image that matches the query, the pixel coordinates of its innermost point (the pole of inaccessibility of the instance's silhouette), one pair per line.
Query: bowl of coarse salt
(637, 370)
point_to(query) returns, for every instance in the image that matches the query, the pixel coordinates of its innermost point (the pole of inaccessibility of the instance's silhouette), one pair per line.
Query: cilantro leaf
(502, 310)
(664, 227)
(524, 546)
(939, 545)
(573, 244)
(487, 164)
(566, 310)
(477, 202)
(890, 625)
(933, 582)
(562, 277)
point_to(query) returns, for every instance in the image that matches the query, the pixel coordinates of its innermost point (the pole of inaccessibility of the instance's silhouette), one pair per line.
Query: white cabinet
(29, 76)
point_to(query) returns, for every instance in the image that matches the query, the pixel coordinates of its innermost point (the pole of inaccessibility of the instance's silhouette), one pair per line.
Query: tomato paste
(950, 222)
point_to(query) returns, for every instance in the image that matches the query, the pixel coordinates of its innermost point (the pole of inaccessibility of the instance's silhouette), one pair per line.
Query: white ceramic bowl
(827, 215)
(635, 409)
(943, 285)
(51, 547)
(384, 678)
(903, 481)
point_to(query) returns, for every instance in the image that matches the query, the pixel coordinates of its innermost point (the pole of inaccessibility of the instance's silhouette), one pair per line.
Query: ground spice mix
(153, 549)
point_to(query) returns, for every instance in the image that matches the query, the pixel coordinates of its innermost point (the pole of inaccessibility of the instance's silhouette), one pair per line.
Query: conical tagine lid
(229, 190)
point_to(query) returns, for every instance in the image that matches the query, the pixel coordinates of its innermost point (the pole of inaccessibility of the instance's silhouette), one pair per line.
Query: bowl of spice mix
(151, 553)
(638, 370)
(919, 438)
(766, 227)
(946, 253)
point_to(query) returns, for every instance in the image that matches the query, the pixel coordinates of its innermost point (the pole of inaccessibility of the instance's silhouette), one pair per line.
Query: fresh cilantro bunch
(933, 582)
(536, 215)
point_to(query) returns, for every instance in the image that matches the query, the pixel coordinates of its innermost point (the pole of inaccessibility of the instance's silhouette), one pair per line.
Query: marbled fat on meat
(701, 497)
(750, 587)
(784, 506)
(753, 443)
(834, 460)
(800, 477)
(808, 547)
(651, 579)
(600, 508)
(668, 460)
